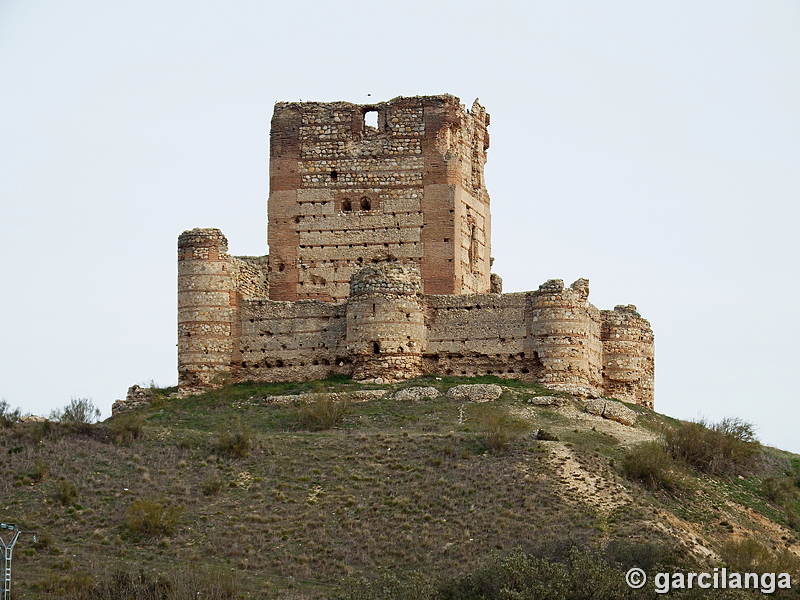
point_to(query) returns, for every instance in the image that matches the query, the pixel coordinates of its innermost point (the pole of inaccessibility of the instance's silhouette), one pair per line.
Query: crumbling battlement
(379, 269)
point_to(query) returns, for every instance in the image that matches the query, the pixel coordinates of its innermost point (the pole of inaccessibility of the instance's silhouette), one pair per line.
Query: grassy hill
(237, 494)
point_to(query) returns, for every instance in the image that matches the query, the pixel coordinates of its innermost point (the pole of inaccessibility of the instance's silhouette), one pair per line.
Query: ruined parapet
(249, 276)
(385, 323)
(628, 355)
(137, 398)
(206, 313)
(565, 337)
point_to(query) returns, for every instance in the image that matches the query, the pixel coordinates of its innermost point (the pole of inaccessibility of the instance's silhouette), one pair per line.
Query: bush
(498, 427)
(778, 491)
(749, 555)
(323, 412)
(652, 465)
(66, 492)
(727, 447)
(152, 518)
(79, 413)
(546, 435)
(126, 428)
(8, 417)
(212, 487)
(235, 442)
(36, 473)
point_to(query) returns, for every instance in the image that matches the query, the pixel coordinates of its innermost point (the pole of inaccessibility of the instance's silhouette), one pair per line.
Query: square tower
(354, 184)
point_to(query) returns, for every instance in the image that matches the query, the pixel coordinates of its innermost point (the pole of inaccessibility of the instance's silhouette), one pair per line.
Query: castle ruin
(379, 268)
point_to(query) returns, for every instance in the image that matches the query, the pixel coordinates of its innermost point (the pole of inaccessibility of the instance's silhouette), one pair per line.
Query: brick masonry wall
(389, 329)
(379, 268)
(344, 194)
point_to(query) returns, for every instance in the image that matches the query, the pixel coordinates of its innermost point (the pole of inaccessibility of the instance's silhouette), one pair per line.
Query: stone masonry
(379, 268)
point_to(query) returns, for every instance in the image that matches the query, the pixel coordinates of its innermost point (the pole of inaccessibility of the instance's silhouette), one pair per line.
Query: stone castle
(379, 268)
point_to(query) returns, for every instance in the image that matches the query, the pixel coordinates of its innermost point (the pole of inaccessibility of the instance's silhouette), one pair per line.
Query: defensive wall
(379, 268)
(388, 328)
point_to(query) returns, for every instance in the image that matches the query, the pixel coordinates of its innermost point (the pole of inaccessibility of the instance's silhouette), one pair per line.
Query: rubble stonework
(379, 268)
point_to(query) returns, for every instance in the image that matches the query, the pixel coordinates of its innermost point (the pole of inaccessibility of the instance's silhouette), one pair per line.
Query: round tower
(205, 311)
(562, 331)
(385, 322)
(628, 358)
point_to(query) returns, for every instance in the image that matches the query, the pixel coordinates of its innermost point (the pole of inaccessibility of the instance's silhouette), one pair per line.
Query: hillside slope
(232, 491)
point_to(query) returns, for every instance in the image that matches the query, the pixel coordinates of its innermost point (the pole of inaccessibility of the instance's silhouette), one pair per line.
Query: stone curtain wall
(379, 268)
(292, 341)
(388, 329)
(344, 194)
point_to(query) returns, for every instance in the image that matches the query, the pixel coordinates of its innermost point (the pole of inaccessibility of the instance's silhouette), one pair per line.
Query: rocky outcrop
(415, 394)
(136, 399)
(478, 392)
(612, 410)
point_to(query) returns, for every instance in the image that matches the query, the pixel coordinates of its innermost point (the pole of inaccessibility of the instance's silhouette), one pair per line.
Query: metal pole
(8, 549)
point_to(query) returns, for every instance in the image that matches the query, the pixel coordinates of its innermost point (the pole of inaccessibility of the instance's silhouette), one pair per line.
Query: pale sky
(650, 146)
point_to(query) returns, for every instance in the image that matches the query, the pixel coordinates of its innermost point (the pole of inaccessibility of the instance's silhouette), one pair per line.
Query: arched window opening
(334, 176)
(366, 204)
(346, 205)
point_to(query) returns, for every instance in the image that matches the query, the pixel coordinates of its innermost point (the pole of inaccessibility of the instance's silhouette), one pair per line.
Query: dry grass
(394, 486)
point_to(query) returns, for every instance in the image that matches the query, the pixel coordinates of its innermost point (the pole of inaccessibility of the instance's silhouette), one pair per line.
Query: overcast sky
(650, 146)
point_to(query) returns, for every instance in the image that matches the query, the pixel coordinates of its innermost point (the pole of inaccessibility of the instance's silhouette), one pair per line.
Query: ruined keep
(379, 268)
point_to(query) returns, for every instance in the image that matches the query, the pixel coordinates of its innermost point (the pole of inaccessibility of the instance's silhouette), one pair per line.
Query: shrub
(546, 435)
(66, 492)
(79, 413)
(750, 555)
(152, 518)
(8, 417)
(651, 464)
(126, 428)
(777, 490)
(212, 486)
(235, 442)
(36, 473)
(323, 412)
(498, 427)
(727, 447)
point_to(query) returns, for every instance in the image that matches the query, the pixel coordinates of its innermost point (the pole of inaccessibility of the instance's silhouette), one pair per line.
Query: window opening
(376, 348)
(366, 204)
(371, 119)
(334, 176)
(346, 205)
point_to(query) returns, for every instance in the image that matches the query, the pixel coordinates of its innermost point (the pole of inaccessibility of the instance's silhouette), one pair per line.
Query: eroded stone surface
(610, 409)
(137, 398)
(546, 401)
(417, 393)
(476, 392)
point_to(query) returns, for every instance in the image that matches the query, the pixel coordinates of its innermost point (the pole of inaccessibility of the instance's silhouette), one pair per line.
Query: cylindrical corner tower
(385, 322)
(561, 337)
(628, 358)
(205, 311)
